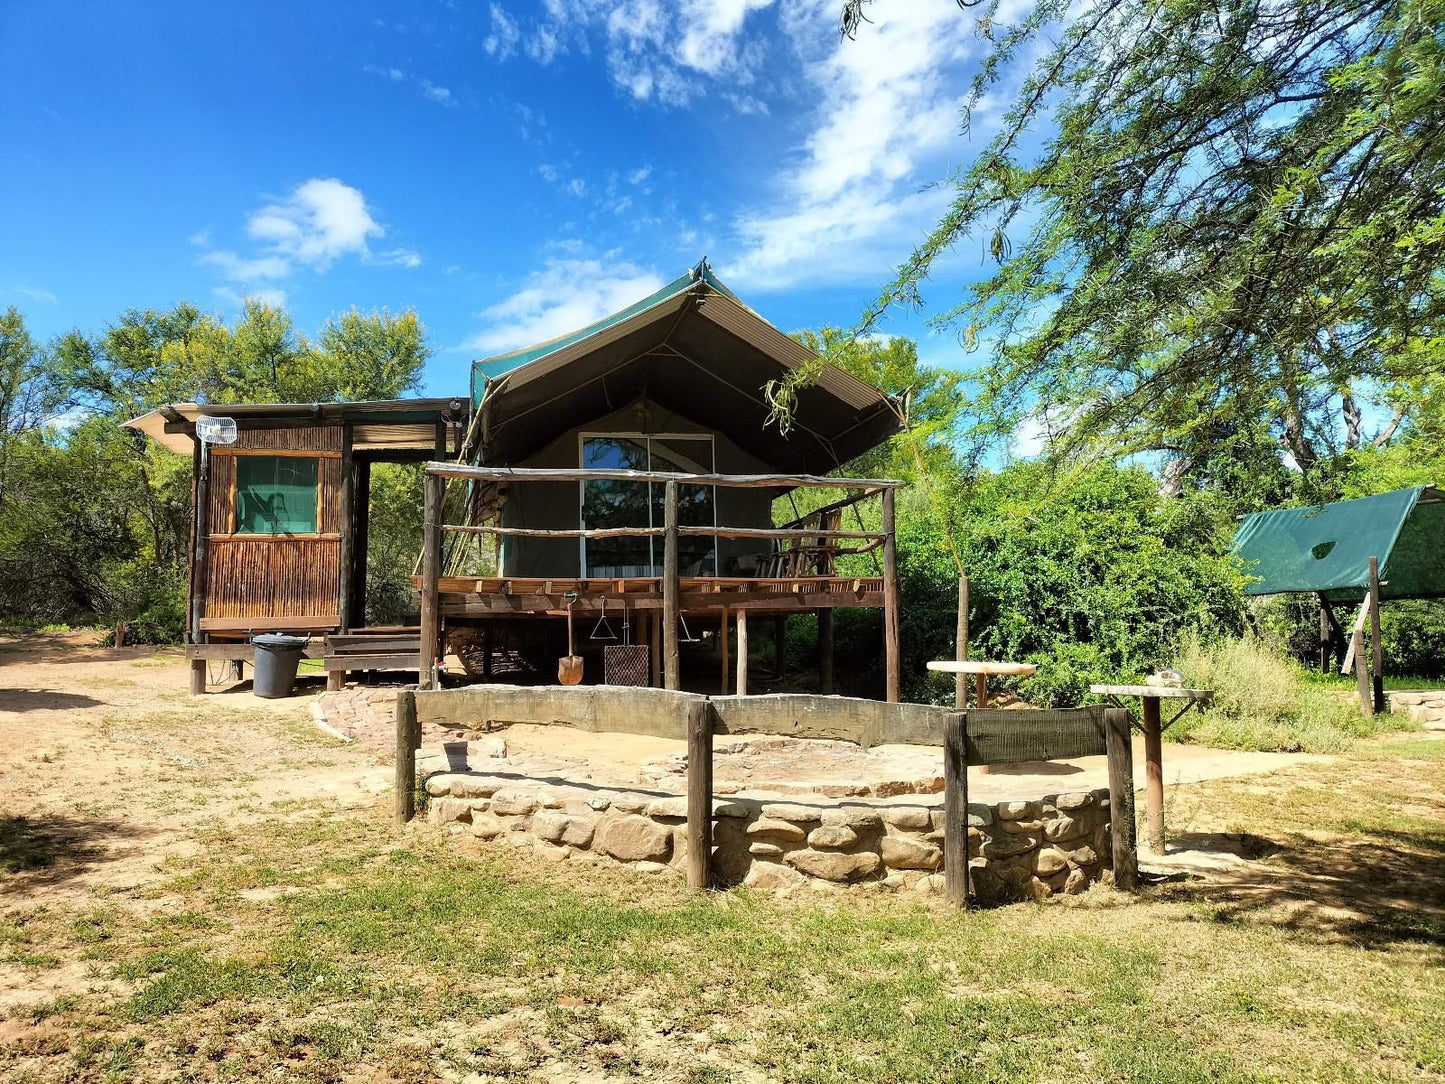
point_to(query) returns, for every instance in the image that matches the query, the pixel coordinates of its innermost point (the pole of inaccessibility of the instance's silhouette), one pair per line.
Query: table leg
(980, 690)
(1154, 769)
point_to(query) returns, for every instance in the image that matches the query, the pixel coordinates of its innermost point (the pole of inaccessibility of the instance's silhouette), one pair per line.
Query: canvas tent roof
(694, 348)
(1327, 548)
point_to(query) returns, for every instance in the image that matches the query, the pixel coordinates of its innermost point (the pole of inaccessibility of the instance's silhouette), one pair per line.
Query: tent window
(1321, 551)
(275, 494)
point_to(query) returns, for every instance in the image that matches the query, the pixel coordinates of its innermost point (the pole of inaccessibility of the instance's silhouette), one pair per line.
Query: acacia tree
(1236, 225)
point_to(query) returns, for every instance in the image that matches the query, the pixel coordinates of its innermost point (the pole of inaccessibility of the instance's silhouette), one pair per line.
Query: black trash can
(277, 657)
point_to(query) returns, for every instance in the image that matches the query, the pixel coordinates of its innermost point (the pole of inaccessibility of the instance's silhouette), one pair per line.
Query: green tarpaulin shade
(1327, 548)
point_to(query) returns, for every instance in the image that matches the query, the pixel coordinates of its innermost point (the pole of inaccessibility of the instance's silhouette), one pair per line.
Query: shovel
(569, 666)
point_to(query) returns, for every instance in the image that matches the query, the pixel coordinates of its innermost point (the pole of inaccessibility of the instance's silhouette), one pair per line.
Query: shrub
(1263, 701)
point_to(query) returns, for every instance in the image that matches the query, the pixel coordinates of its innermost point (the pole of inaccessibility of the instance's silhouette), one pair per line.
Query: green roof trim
(1326, 549)
(499, 365)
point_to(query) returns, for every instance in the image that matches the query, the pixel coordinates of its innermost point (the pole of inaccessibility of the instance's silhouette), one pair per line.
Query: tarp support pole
(1377, 641)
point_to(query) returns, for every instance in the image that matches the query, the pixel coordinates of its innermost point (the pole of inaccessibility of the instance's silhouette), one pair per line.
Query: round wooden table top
(1170, 692)
(971, 666)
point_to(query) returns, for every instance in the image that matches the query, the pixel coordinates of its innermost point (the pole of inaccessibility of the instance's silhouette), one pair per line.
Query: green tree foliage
(1234, 230)
(94, 519)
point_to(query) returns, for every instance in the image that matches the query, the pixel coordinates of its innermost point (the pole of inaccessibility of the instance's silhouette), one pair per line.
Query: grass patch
(1265, 701)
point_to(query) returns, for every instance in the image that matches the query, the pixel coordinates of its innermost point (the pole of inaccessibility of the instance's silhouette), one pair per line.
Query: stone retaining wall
(1423, 706)
(1017, 849)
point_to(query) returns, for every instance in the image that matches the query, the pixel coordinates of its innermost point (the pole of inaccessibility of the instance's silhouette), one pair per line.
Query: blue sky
(510, 170)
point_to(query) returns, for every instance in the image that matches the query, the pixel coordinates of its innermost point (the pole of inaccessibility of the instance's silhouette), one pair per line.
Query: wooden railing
(434, 527)
(972, 738)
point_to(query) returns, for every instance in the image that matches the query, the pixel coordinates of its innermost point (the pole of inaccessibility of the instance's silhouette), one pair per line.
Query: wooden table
(1149, 698)
(981, 672)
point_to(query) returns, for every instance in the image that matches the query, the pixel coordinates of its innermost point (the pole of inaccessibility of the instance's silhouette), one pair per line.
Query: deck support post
(825, 652)
(890, 601)
(960, 646)
(361, 502)
(955, 809)
(347, 525)
(722, 644)
(742, 682)
(1154, 774)
(672, 670)
(1377, 643)
(431, 559)
(699, 794)
(1124, 841)
(1326, 636)
(200, 555)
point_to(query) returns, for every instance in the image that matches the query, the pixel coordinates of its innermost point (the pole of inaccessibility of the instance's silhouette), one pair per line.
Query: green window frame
(277, 494)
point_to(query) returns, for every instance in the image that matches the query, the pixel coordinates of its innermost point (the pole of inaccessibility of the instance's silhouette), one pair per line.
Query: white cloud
(502, 41)
(34, 293)
(321, 221)
(637, 176)
(435, 93)
(396, 75)
(888, 105)
(237, 299)
(577, 186)
(565, 295)
(548, 172)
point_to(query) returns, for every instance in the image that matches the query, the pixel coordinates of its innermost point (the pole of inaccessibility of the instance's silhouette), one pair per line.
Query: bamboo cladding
(222, 517)
(272, 577)
(328, 504)
(308, 438)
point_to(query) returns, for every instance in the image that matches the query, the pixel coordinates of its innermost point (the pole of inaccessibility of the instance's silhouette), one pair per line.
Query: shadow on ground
(18, 700)
(1377, 891)
(47, 850)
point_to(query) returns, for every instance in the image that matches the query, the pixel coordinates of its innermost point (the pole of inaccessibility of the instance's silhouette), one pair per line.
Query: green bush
(1264, 701)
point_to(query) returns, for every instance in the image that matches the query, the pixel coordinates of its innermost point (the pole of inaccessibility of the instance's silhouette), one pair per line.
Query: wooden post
(825, 652)
(890, 601)
(347, 524)
(722, 643)
(1326, 639)
(1154, 772)
(955, 809)
(200, 555)
(335, 680)
(431, 559)
(742, 682)
(1362, 670)
(699, 794)
(671, 664)
(1125, 847)
(980, 701)
(960, 646)
(654, 631)
(407, 740)
(1376, 641)
(780, 645)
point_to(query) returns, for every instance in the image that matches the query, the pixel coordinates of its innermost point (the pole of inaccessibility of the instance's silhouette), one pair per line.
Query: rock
(561, 828)
(931, 885)
(650, 867)
(1074, 800)
(1078, 882)
(730, 809)
(1064, 828)
(439, 786)
(832, 837)
(895, 880)
(797, 814)
(1013, 811)
(471, 786)
(550, 853)
(979, 816)
(857, 817)
(901, 852)
(633, 839)
(674, 808)
(1084, 856)
(767, 826)
(1036, 889)
(447, 810)
(765, 850)
(629, 803)
(1012, 873)
(486, 826)
(1022, 828)
(547, 800)
(599, 804)
(835, 865)
(1007, 846)
(1049, 861)
(513, 803)
(910, 818)
(772, 877)
(495, 748)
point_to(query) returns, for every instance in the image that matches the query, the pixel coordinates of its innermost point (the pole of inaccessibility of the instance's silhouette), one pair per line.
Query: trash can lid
(279, 640)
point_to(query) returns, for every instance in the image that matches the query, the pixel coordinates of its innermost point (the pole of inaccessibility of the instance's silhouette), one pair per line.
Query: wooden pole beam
(955, 809)
(1376, 639)
(960, 646)
(407, 735)
(891, 646)
(1154, 771)
(431, 559)
(672, 667)
(699, 794)
(346, 559)
(742, 682)
(1124, 841)
(722, 643)
(597, 474)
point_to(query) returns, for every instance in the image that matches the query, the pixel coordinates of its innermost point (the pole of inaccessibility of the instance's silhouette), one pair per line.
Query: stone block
(860, 818)
(732, 810)
(546, 799)
(630, 838)
(772, 877)
(1050, 860)
(1022, 828)
(763, 849)
(1084, 856)
(902, 852)
(486, 826)
(447, 810)
(1008, 846)
(1014, 811)
(1063, 828)
(473, 786)
(832, 837)
(795, 814)
(768, 826)
(1078, 881)
(673, 808)
(910, 818)
(562, 828)
(835, 865)
(513, 803)
(600, 804)
(629, 803)
(1073, 800)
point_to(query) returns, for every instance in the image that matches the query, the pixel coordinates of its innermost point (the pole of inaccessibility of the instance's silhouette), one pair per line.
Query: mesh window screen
(275, 494)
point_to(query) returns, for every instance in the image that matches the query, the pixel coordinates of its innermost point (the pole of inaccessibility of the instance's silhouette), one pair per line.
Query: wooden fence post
(742, 682)
(890, 601)
(722, 645)
(671, 665)
(960, 646)
(407, 735)
(1378, 654)
(699, 794)
(1122, 831)
(431, 559)
(955, 809)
